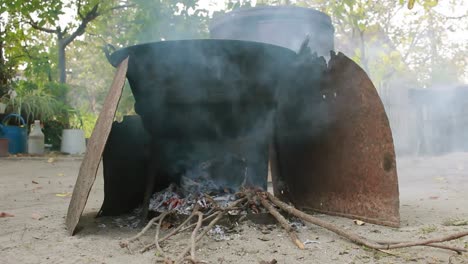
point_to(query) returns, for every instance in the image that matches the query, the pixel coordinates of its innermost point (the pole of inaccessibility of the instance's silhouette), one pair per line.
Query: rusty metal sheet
(346, 168)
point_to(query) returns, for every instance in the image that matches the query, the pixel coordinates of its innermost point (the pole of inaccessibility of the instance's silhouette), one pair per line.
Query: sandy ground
(434, 191)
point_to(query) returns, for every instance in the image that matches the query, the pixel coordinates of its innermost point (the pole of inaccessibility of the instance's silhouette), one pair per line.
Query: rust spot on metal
(388, 162)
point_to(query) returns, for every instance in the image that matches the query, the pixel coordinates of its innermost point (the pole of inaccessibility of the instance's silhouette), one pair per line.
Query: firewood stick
(142, 232)
(218, 217)
(427, 242)
(356, 238)
(283, 222)
(194, 235)
(178, 229)
(202, 234)
(211, 216)
(173, 232)
(231, 207)
(456, 249)
(158, 228)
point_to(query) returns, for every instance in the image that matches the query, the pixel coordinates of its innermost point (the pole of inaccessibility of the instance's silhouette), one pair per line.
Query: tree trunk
(4, 76)
(62, 61)
(3, 69)
(364, 61)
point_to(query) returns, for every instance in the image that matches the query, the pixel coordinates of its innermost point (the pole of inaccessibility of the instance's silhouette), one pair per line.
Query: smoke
(214, 100)
(415, 60)
(282, 26)
(204, 100)
(220, 101)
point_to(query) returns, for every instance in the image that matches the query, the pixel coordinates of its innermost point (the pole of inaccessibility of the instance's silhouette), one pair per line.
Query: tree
(44, 16)
(388, 40)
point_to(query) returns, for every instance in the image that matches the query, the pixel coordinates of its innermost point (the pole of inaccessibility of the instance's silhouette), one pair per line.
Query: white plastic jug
(36, 139)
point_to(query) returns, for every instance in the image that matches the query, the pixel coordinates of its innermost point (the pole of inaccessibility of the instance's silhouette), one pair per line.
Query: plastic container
(17, 135)
(73, 141)
(36, 139)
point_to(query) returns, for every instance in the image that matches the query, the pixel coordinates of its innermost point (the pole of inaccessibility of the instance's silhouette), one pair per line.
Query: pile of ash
(202, 187)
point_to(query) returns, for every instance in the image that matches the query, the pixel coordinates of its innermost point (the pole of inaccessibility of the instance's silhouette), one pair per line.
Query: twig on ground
(194, 235)
(158, 229)
(428, 242)
(456, 249)
(142, 232)
(173, 232)
(283, 222)
(181, 257)
(211, 216)
(218, 217)
(356, 238)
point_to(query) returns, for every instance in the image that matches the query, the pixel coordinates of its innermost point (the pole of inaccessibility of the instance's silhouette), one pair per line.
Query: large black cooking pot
(204, 99)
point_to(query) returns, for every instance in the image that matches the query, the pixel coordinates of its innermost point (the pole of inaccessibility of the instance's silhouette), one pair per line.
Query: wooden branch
(456, 249)
(426, 242)
(356, 238)
(283, 222)
(204, 219)
(175, 231)
(158, 228)
(218, 217)
(78, 10)
(80, 30)
(35, 25)
(87, 18)
(194, 235)
(141, 233)
(199, 237)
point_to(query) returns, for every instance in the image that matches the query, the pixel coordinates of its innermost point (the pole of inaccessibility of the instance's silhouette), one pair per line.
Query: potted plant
(34, 105)
(73, 137)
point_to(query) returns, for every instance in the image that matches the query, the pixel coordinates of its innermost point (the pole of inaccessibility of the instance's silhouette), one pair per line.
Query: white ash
(197, 187)
(218, 233)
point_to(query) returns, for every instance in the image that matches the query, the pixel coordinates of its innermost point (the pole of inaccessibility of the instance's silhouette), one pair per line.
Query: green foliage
(53, 133)
(33, 102)
(57, 90)
(88, 121)
(75, 119)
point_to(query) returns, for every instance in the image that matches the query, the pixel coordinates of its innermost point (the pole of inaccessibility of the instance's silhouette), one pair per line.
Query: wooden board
(95, 148)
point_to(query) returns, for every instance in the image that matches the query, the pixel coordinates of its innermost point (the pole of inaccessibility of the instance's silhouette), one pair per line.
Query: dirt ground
(433, 193)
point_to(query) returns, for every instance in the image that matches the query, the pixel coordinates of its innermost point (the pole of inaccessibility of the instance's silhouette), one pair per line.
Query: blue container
(16, 135)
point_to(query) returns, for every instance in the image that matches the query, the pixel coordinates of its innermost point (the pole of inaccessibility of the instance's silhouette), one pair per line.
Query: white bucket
(73, 141)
